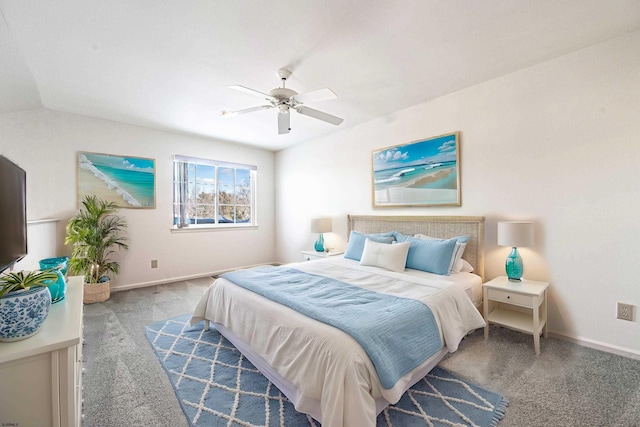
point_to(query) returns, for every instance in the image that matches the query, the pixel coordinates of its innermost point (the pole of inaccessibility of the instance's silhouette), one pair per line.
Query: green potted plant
(24, 303)
(96, 234)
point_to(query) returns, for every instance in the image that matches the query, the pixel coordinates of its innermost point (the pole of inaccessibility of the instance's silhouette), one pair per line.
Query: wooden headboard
(442, 227)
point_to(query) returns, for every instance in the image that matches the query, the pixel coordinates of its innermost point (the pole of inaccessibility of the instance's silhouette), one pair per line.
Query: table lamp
(320, 225)
(515, 234)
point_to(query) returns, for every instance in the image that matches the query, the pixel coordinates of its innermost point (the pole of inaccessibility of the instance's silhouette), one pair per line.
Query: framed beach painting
(418, 173)
(128, 181)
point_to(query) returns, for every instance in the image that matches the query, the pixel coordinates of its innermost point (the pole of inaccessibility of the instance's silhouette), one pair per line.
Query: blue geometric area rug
(217, 386)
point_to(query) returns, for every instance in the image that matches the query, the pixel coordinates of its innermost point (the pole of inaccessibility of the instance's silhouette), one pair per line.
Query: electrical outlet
(154, 263)
(625, 311)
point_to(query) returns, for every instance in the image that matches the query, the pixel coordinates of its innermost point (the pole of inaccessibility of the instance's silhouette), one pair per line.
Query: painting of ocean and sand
(419, 173)
(130, 182)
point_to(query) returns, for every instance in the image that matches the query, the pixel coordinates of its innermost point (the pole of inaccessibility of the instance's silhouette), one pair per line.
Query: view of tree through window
(210, 192)
(234, 195)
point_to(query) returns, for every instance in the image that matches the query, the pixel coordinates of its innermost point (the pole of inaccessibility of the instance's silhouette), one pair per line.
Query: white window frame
(180, 189)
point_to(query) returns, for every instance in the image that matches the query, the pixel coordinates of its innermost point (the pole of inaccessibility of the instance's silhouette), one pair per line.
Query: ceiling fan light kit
(286, 99)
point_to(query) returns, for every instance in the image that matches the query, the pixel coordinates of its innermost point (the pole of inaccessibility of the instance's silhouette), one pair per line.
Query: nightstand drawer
(510, 298)
(309, 257)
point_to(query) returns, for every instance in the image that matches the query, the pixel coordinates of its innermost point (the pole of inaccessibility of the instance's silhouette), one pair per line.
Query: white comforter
(323, 362)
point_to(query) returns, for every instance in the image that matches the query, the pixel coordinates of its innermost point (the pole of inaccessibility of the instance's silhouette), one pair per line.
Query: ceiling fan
(285, 100)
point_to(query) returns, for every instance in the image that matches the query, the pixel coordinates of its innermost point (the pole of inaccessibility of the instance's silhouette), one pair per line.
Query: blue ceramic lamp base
(319, 245)
(513, 266)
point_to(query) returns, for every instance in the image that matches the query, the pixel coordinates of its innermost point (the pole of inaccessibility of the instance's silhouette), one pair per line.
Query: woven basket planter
(96, 292)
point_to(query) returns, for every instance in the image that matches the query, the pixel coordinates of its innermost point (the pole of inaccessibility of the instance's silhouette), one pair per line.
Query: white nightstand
(311, 255)
(517, 305)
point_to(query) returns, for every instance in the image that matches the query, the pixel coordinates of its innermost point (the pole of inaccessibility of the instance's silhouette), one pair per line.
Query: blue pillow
(458, 250)
(400, 238)
(356, 243)
(433, 256)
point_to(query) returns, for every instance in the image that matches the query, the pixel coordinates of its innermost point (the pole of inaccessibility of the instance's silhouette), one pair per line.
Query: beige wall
(45, 144)
(557, 143)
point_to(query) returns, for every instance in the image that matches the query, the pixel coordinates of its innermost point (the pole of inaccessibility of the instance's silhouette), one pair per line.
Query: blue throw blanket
(398, 334)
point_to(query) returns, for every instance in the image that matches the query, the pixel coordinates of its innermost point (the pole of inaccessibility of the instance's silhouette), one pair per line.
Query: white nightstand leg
(486, 313)
(544, 315)
(536, 327)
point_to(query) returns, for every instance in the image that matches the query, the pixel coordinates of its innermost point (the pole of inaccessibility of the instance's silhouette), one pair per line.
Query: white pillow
(462, 266)
(390, 257)
(461, 244)
(466, 267)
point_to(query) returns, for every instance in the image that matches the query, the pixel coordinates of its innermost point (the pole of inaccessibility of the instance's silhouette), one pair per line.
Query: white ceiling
(168, 64)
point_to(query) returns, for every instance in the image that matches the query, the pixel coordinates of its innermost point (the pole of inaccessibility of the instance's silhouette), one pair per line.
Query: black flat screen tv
(13, 213)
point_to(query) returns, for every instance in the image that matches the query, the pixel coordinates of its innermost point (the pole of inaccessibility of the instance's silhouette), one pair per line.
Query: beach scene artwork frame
(128, 181)
(419, 173)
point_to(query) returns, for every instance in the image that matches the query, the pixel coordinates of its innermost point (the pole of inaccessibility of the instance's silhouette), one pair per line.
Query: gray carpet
(567, 385)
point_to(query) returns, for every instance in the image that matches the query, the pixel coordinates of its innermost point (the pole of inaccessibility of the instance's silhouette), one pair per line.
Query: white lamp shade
(515, 233)
(321, 225)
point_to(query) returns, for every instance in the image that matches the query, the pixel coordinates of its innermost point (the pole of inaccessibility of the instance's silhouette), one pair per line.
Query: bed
(323, 370)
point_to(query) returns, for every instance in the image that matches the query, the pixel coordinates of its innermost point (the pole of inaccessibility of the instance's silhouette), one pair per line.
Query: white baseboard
(182, 278)
(608, 348)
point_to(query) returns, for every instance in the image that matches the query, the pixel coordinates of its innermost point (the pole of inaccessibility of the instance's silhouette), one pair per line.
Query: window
(211, 193)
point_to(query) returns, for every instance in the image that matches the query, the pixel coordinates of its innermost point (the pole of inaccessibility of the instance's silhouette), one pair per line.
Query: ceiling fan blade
(320, 115)
(246, 110)
(252, 92)
(284, 122)
(315, 96)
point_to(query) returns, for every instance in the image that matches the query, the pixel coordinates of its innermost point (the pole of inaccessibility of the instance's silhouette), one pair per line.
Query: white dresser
(41, 376)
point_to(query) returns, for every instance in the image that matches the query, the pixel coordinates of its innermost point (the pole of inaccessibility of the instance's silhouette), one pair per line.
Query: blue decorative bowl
(23, 312)
(59, 288)
(60, 263)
